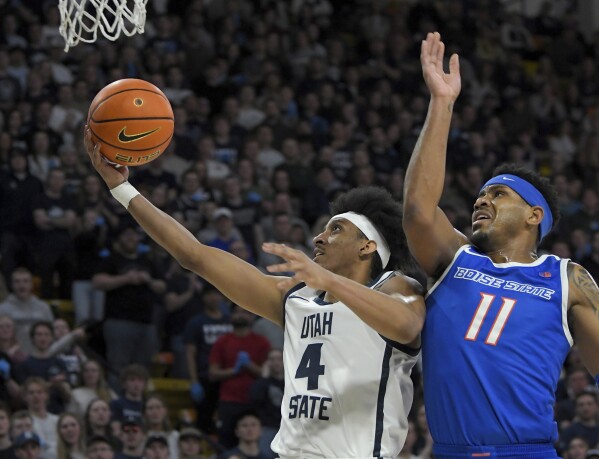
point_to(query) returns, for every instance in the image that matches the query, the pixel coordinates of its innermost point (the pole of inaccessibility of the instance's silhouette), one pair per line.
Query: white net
(82, 20)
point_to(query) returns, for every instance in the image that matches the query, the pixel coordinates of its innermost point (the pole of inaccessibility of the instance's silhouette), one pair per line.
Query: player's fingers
(454, 65)
(279, 249)
(439, 57)
(280, 268)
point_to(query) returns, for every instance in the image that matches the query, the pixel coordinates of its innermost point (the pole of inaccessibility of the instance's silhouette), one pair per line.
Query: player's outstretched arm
(431, 238)
(239, 281)
(396, 311)
(583, 315)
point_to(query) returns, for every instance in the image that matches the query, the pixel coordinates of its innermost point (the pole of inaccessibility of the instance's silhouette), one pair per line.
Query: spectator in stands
(156, 420)
(20, 421)
(157, 447)
(36, 397)
(88, 301)
(247, 431)
(8, 340)
(93, 386)
(133, 437)
(99, 447)
(56, 220)
(70, 352)
(577, 381)
(97, 422)
(18, 188)
(199, 336)
(266, 394)
(190, 443)
(236, 361)
(577, 448)
(134, 380)
(43, 363)
(7, 450)
(586, 421)
(71, 442)
(225, 229)
(28, 445)
(182, 302)
(132, 283)
(24, 308)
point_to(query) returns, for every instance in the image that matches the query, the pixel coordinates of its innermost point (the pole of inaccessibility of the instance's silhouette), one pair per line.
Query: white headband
(370, 231)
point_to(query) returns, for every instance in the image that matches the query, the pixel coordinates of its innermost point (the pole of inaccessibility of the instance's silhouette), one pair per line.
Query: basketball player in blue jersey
(500, 319)
(352, 320)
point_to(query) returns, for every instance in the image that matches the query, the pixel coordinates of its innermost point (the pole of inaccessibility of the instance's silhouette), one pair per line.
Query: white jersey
(347, 389)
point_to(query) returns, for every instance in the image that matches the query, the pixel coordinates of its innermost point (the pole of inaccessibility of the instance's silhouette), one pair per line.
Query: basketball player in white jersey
(352, 321)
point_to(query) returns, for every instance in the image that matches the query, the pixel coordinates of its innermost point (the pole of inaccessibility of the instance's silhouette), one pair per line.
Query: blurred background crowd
(279, 107)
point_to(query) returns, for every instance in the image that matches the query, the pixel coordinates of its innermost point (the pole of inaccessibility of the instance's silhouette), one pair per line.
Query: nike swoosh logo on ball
(132, 138)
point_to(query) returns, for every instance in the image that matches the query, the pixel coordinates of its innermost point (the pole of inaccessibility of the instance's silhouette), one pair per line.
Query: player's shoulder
(398, 282)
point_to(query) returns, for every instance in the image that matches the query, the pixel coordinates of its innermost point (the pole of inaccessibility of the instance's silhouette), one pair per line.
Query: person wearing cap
(132, 283)
(28, 445)
(156, 447)
(352, 319)
(190, 443)
(501, 317)
(98, 447)
(226, 231)
(133, 436)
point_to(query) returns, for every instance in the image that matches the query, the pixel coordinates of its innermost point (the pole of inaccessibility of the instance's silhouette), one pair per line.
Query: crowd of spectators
(279, 106)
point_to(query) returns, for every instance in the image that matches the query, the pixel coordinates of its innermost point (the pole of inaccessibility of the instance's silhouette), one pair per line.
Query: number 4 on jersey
(480, 314)
(310, 367)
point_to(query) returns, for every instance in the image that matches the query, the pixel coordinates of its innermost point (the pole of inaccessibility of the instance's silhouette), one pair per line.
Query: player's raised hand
(112, 176)
(439, 83)
(303, 268)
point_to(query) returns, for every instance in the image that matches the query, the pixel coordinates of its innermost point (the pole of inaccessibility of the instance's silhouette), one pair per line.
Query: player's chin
(480, 238)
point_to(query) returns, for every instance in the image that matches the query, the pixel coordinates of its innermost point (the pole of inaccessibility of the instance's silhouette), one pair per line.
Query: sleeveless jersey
(347, 389)
(494, 342)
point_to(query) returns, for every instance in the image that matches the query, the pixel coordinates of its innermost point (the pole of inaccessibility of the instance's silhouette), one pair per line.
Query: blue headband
(529, 193)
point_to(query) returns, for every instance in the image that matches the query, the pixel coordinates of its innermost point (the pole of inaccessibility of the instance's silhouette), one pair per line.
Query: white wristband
(124, 193)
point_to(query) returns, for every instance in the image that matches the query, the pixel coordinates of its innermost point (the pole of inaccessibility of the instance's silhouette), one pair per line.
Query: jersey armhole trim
(563, 268)
(438, 282)
(408, 350)
(291, 290)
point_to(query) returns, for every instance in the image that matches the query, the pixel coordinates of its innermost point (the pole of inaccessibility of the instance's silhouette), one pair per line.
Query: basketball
(133, 120)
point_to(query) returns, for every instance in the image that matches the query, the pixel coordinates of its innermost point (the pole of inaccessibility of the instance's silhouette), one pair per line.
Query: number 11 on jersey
(481, 313)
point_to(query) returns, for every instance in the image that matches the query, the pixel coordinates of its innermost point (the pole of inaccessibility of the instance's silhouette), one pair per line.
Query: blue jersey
(493, 345)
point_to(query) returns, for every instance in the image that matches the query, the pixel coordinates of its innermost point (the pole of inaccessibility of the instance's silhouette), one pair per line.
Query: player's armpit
(583, 314)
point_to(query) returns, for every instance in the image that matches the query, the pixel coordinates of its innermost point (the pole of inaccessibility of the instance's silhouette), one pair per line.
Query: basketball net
(80, 20)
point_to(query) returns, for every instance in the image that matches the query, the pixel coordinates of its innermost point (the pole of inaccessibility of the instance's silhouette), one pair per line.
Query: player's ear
(368, 247)
(536, 215)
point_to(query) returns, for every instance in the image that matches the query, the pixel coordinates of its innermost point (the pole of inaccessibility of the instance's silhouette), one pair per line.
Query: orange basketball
(133, 120)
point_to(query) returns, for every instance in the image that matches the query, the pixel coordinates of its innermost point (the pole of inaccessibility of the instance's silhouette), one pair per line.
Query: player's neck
(513, 253)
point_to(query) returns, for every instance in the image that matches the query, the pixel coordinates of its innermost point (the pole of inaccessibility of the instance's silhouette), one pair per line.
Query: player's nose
(481, 201)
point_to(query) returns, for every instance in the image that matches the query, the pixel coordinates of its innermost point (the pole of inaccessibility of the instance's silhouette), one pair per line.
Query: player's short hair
(542, 184)
(385, 213)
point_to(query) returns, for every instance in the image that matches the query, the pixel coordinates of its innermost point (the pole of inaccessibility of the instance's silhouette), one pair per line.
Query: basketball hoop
(80, 20)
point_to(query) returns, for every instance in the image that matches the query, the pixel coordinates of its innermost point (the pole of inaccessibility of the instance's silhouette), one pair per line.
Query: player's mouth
(317, 253)
(479, 217)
